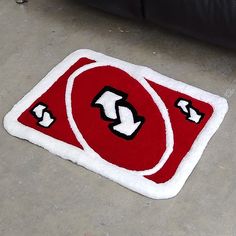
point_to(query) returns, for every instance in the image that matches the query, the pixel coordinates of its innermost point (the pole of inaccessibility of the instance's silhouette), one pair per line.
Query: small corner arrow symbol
(47, 120)
(38, 110)
(194, 116)
(191, 113)
(44, 117)
(183, 105)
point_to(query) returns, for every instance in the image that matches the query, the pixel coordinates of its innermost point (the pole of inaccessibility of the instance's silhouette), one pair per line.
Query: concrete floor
(43, 195)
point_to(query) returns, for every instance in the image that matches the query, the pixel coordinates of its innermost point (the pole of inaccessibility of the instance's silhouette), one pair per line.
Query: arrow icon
(113, 106)
(108, 100)
(47, 120)
(194, 116)
(183, 105)
(191, 113)
(127, 126)
(43, 115)
(38, 110)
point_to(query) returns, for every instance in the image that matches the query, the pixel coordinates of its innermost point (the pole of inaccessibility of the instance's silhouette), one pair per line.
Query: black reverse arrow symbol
(43, 115)
(113, 106)
(192, 114)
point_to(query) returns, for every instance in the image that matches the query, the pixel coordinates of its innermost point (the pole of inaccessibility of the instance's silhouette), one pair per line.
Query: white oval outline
(156, 98)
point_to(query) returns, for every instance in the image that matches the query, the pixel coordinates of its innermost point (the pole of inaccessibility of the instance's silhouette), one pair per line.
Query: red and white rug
(126, 122)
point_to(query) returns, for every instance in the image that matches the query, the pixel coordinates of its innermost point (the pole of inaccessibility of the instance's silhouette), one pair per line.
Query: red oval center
(145, 149)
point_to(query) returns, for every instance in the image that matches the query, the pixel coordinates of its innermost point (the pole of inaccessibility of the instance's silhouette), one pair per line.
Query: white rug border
(126, 178)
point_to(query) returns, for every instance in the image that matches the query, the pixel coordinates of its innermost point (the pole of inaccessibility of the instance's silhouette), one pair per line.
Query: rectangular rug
(128, 123)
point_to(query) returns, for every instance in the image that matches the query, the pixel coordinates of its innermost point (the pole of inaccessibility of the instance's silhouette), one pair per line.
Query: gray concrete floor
(41, 194)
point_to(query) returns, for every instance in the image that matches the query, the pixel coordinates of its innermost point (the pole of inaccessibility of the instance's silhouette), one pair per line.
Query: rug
(128, 123)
